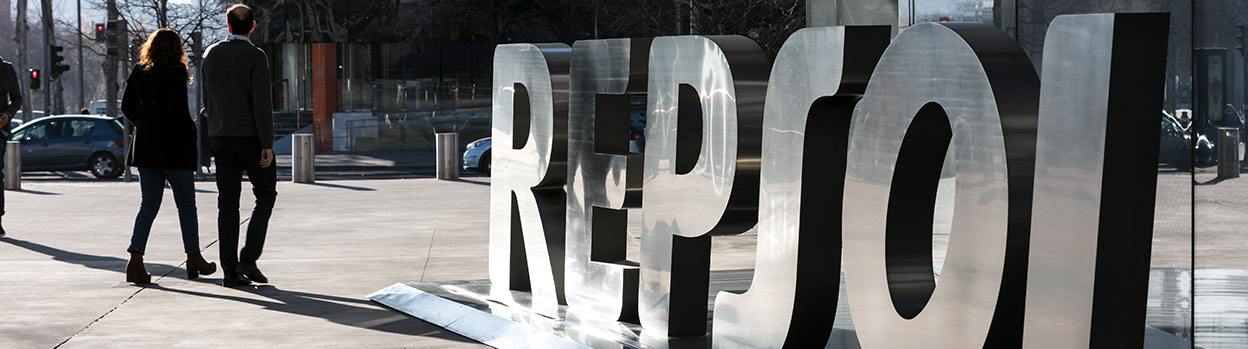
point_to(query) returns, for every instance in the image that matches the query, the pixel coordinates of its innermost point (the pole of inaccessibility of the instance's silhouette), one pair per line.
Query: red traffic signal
(34, 73)
(101, 32)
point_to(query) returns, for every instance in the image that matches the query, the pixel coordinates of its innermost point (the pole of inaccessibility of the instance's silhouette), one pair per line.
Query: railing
(417, 130)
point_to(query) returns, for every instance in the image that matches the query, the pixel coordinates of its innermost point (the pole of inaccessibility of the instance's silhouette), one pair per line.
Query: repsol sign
(835, 152)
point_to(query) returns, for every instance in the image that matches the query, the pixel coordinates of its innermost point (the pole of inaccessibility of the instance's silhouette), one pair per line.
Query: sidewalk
(329, 245)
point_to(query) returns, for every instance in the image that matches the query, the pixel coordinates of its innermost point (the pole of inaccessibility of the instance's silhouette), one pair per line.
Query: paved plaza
(330, 244)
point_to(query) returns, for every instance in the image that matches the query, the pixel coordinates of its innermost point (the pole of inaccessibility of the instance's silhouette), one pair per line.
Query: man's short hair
(241, 19)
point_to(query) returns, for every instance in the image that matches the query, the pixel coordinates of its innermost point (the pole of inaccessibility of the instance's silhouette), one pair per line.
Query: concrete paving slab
(329, 245)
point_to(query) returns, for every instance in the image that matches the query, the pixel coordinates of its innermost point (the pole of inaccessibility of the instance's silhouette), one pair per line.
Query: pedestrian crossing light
(34, 79)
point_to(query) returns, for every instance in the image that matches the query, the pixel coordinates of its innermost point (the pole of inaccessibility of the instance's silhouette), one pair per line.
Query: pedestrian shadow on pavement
(473, 180)
(36, 192)
(340, 310)
(113, 264)
(340, 186)
(1212, 181)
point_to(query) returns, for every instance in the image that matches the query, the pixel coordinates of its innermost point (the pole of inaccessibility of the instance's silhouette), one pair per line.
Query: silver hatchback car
(477, 157)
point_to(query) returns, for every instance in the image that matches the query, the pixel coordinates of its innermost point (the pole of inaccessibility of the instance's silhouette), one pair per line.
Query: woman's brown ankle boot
(135, 272)
(196, 266)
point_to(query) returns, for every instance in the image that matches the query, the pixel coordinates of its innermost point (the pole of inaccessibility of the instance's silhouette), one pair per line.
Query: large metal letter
(602, 178)
(527, 199)
(818, 77)
(1096, 180)
(705, 105)
(971, 87)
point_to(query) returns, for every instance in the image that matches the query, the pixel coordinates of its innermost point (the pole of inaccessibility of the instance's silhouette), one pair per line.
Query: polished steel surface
(303, 159)
(1096, 164)
(603, 178)
(463, 319)
(1169, 295)
(965, 86)
(446, 155)
(725, 78)
(818, 76)
(527, 199)
(13, 165)
(822, 13)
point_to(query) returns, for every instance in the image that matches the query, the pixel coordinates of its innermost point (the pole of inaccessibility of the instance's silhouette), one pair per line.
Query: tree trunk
(23, 56)
(54, 91)
(110, 62)
(162, 14)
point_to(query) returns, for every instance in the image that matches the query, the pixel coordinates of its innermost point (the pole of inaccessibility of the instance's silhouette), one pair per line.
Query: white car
(477, 157)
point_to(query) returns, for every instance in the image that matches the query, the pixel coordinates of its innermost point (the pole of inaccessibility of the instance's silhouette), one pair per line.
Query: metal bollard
(447, 147)
(1228, 152)
(13, 166)
(303, 159)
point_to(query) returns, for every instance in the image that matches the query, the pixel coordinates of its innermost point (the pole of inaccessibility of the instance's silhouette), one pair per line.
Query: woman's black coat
(156, 103)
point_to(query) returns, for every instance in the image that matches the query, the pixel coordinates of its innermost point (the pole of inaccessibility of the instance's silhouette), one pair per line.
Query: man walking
(10, 102)
(240, 122)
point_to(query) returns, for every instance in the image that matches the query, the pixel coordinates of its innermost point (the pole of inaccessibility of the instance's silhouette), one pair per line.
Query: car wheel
(485, 163)
(104, 166)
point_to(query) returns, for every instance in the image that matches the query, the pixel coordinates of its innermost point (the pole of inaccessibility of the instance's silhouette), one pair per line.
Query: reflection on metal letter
(603, 178)
(705, 109)
(527, 200)
(971, 87)
(819, 75)
(1095, 181)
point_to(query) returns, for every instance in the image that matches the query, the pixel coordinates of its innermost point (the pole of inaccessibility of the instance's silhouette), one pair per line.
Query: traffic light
(197, 46)
(34, 79)
(100, 32)
(58, 66)
(1241, 39)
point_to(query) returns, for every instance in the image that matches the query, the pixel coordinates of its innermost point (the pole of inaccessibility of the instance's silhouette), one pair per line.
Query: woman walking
(163, 148)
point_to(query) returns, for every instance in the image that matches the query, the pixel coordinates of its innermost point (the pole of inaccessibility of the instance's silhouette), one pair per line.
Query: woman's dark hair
(163, 51)
(240, 19)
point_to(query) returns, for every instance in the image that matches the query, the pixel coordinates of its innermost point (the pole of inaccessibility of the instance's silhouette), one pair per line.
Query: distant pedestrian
(84, 111)
(240, 123)
(205, 143)
(163, 148)
(10, 102)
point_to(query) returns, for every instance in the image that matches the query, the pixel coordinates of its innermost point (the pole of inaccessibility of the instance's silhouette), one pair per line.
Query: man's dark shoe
(251, 272)
(235, 281)
(1, 232)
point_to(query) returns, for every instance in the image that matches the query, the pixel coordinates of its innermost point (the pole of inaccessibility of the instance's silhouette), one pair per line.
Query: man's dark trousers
(3, 149)
(234, 157)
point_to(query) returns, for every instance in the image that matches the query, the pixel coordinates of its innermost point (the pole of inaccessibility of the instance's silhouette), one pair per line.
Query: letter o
(981, 82)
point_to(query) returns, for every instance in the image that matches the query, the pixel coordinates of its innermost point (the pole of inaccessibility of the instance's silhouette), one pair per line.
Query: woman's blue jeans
(152, 182)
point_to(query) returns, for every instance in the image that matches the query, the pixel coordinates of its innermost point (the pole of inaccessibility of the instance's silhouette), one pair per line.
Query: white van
(98, 107)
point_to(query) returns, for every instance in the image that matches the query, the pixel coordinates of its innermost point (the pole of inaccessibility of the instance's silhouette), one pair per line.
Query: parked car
(72, 143)
(21, 115)
(477, 157)
(14, 124)
(1175, 144)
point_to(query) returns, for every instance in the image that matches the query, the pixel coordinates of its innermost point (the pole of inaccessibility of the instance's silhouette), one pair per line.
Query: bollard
(303, 156)
(1228, 152)
(447, 147)
(13, 166)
